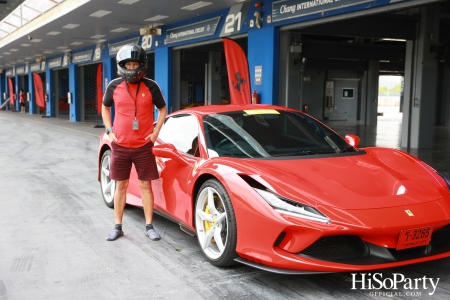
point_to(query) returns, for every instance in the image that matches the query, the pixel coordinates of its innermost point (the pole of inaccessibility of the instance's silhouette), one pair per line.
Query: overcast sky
(390, 81)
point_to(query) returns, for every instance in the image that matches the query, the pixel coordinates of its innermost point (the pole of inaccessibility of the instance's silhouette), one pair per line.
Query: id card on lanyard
(135, 121)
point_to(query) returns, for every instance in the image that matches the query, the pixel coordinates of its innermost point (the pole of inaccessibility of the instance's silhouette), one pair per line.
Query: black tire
(215, 220)
(107, 185)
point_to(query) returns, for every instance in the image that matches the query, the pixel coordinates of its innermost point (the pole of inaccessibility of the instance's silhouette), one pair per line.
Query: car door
(173, 189)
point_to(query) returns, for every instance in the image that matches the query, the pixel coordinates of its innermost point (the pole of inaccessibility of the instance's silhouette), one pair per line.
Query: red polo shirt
(134, 102)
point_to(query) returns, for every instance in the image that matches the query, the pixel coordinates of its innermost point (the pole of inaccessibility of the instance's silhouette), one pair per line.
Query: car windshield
(269, 133)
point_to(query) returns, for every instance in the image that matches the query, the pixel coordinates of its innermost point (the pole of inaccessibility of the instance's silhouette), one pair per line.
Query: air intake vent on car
(337, 247)
(441, 236)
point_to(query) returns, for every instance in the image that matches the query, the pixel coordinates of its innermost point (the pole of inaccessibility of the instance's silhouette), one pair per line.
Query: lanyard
(134, 99)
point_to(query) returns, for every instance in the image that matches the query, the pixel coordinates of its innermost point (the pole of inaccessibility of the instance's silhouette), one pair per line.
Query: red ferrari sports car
(274, 188)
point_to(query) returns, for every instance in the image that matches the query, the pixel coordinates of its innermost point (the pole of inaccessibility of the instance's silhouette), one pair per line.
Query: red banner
(238, 75)
(39, 90)
(99, 88)
(12, 96)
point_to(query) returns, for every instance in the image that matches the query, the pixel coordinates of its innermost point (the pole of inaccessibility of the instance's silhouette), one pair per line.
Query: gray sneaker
(153, 235)
(114, 235)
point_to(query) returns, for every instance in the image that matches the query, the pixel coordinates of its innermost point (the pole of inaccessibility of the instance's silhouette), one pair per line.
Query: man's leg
(119, 207)
(147, 203)
(120, 199)
(147, 200)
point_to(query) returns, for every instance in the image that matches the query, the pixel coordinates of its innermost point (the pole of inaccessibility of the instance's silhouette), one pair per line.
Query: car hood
(378, 178)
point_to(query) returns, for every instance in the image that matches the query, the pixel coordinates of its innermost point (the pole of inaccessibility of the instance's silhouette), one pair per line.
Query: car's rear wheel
(215, 223)
(107, 185)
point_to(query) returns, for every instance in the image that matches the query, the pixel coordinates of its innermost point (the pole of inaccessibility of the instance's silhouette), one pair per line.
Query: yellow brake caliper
(206, 223)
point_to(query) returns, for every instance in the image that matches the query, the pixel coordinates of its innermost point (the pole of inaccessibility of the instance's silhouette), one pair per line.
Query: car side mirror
(169, 151)
(352, 140)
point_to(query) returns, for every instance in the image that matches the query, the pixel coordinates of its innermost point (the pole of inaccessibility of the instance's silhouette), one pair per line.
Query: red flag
(99, 88)
(39, 90)
(238, 75)
(12, 96)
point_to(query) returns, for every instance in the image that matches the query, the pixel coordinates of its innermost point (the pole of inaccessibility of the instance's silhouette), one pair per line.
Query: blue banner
(287, 9)
(191, 31)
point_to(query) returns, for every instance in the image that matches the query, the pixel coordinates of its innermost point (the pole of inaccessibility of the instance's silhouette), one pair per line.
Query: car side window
(182, 132)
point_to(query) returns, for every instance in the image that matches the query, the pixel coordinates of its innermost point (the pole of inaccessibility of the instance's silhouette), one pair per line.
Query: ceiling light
(38, 54)
(14, 50)
(196, 5)
(156, 18)
(100, 13)
(76, 43)
(36, 40)
(48, 51)
(71, 26)
(97, 36)
(7, 53)
(128, 1)
(120, 29)
(394, 40)
(53, 33)
(25, 45)
(62, 47)
(20, 60)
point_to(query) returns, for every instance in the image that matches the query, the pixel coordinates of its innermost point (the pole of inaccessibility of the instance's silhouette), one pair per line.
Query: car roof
(213, 109)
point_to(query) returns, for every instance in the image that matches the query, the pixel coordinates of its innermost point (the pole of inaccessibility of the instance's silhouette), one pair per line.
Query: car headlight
(292, 208)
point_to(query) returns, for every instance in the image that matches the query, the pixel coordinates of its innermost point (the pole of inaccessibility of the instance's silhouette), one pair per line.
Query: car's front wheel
(107, 185)
(215, 223)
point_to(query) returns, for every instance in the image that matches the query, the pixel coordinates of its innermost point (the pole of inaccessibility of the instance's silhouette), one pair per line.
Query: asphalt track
(53, 225)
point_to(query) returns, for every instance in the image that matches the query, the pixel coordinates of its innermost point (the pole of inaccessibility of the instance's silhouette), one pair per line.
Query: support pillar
(267, 38)
(291, 91)
(372, 93)
(50, 106)
(17, 89)
(2, 88)
(74, 111)
(163, 74)
(32, 104)
(176, 79)
(108, 76)
(421, 72)
(213, 79)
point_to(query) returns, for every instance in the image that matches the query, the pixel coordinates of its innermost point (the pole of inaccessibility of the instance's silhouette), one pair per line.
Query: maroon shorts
(142, 158)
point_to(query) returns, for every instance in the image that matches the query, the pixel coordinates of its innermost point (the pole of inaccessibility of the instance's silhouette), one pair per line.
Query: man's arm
(106, 116)
(159, 124)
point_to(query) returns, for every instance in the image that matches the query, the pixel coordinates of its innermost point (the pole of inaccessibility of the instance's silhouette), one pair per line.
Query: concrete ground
(53, 225)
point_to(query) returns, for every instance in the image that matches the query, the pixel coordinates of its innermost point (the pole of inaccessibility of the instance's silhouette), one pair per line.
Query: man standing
(22, 101)
(132, 135)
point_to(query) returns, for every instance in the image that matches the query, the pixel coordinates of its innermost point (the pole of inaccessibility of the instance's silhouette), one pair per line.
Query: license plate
(414, 237)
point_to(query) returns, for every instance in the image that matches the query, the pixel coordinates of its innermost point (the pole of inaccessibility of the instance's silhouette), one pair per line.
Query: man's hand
(112, 137)
(152, 136)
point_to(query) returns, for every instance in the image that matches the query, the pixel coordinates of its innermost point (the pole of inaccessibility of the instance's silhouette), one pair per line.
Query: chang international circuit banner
(287, 9)
(191, 31)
